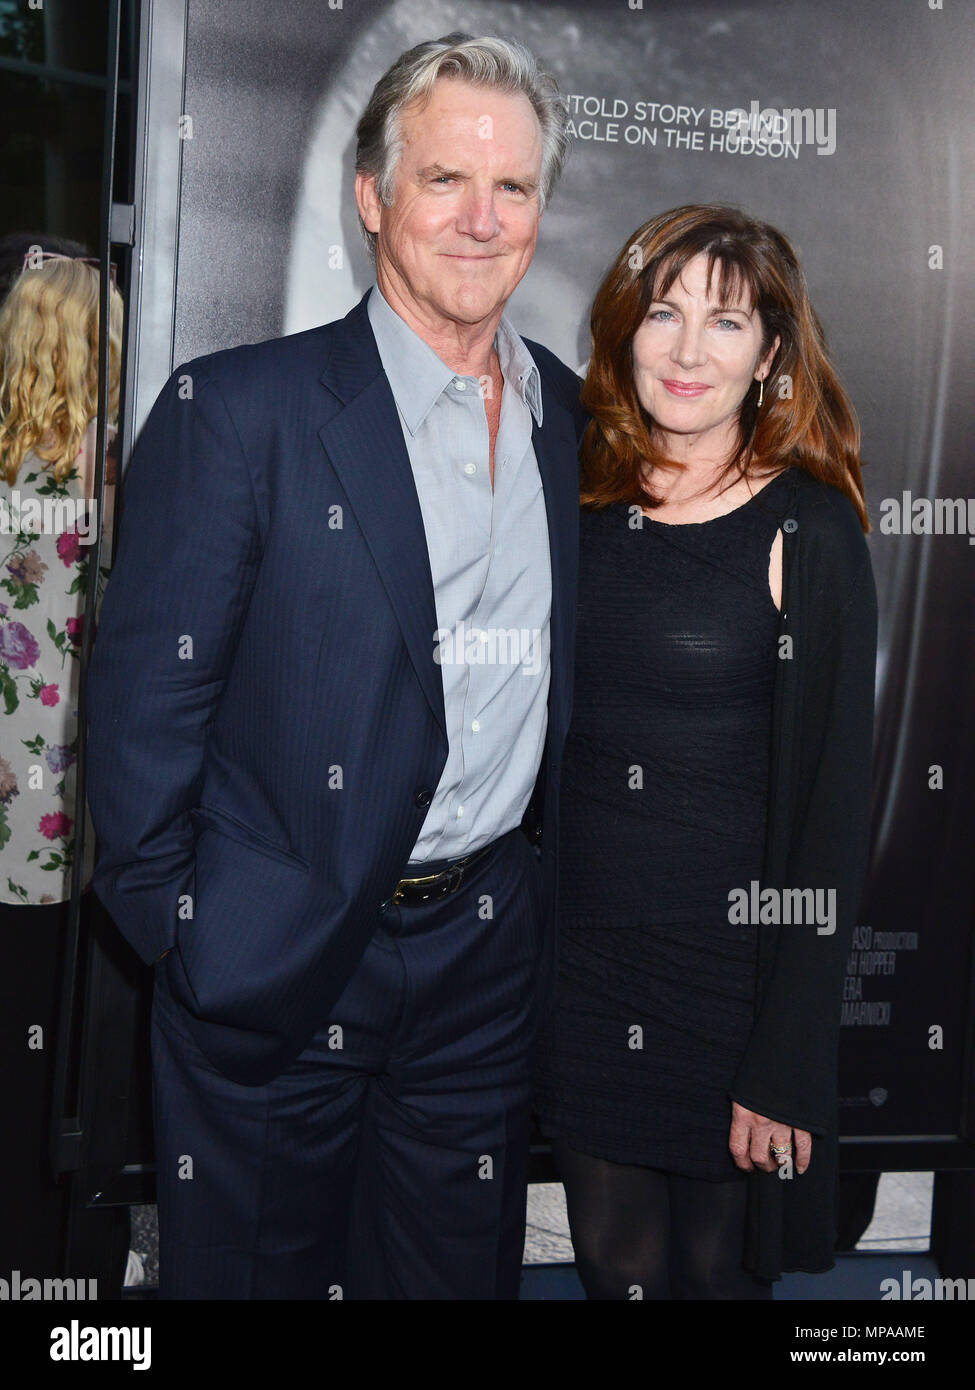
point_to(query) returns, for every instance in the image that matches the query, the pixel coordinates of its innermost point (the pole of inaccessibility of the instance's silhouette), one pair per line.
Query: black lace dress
(663, 808)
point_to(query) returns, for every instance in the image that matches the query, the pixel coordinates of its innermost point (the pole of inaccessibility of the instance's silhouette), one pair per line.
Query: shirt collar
(417, 376)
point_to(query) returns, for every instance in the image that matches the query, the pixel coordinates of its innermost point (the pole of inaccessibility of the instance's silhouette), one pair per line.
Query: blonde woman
(48, 402)
(48, 405)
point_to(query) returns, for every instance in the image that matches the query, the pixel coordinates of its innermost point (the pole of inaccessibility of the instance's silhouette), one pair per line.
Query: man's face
(463, 222)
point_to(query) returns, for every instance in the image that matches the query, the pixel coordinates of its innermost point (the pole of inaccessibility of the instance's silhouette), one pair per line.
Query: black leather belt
(430, 888)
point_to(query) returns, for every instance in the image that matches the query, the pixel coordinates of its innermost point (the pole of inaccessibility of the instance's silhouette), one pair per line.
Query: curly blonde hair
(49, 364)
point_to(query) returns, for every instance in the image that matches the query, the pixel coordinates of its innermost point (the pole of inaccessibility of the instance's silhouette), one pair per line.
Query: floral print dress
(43, 578)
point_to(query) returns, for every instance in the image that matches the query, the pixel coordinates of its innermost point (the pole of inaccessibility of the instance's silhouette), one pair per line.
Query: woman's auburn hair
(49, 364)
(806, 419)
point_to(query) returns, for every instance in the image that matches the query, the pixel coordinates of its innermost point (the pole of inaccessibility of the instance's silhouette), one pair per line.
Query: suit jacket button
(423, 796)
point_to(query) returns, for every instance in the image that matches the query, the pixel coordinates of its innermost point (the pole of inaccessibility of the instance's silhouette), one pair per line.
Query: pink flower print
(49, 695)
(69, 547)
(18, 646)
(73, 628)
(55, 825)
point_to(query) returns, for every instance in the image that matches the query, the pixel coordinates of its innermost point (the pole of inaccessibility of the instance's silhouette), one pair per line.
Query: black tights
(639, 1232)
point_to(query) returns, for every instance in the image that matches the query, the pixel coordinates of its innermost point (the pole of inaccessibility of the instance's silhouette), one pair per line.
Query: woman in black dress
(715, 782)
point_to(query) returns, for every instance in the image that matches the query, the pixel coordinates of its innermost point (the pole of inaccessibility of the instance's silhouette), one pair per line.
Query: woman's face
(694, 361)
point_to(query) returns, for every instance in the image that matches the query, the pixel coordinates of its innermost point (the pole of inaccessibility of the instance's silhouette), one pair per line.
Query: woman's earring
(761, 392)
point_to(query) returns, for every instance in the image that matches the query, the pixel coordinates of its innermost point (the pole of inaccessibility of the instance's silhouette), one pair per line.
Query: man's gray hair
(501, 64)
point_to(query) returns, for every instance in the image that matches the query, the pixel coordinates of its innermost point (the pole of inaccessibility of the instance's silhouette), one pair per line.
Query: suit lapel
(364, 443)
(555, 452)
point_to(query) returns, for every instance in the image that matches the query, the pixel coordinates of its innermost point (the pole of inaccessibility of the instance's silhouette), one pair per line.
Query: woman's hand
(752, 1136)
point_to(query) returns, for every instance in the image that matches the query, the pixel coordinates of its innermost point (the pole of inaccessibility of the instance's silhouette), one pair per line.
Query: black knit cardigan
(817, 837)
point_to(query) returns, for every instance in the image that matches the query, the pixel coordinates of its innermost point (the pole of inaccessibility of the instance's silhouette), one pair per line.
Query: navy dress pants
(389, 1160)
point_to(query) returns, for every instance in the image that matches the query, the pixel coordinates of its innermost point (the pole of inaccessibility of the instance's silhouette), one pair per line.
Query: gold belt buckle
(410, 883)
(452, 880)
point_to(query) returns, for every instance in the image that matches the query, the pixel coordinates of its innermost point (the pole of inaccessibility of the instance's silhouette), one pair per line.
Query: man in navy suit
(328, 702)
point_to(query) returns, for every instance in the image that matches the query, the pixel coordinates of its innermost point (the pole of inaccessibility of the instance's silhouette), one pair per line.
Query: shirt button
(461, 385)
(460, 811)
(470, 468)
(476, 725)
(790, 524)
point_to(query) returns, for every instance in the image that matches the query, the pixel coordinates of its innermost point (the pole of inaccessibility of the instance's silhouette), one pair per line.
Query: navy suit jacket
(266, 720)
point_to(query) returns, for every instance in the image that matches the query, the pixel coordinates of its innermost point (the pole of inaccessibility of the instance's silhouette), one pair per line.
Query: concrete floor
(901, 1223)
(901, 1220)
